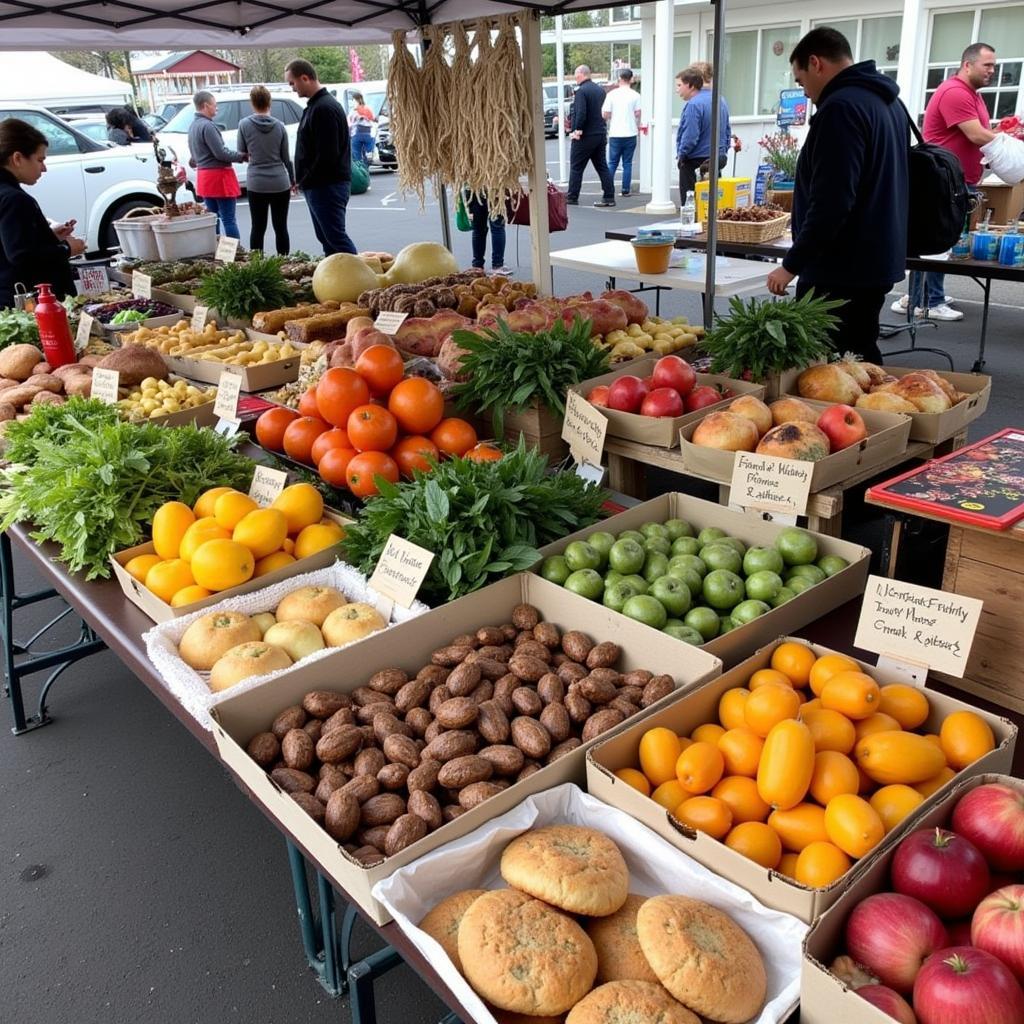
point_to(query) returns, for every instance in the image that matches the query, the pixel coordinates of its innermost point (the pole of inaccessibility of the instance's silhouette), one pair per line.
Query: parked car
(87, 181)
(551, 106)
(94, 127)
(375, 96)
(231, 108)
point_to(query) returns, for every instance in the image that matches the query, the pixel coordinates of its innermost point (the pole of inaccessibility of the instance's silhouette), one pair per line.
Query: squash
(853, 824)
(419, 261)
(853, 694)
(787, 764)
(898, 756)
(342, 277)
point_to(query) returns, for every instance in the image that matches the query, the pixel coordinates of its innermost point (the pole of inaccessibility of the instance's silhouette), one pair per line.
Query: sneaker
(944, 312)
(900, 306)
(605, 202)
(572, 202)
(506, 271)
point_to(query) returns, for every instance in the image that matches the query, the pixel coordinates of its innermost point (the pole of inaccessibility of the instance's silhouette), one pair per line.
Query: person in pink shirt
(957, 119)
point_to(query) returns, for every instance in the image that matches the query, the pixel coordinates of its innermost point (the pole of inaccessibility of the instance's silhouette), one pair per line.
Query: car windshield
(181, 120)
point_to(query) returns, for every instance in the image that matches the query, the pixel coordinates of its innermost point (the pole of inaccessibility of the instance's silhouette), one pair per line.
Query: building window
(755, 68)
(682, 49)
(621, 14)
(876, 39)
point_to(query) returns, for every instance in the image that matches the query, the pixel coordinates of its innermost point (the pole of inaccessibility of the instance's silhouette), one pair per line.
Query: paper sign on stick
(226, 249)
(142, 285)
(199, 315)
(389, 322)
(771, 484)
(85, 323)
(584, 429)
(228, 388)
(266, 485)
(401, 570)
(104, 385)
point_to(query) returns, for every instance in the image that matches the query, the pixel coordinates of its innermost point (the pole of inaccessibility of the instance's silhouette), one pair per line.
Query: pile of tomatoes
(370, 421)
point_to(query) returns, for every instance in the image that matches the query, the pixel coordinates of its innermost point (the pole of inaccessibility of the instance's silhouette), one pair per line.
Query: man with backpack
(851, 192)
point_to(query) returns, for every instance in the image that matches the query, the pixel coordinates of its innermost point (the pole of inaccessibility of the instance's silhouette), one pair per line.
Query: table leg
(361, 976)
(892, 534)
(626, 476)
(319, 938)
(986, 287)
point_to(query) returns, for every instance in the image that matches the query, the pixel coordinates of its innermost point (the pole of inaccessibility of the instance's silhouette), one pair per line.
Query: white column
(909, 76)
(540, 240)
(563, 176)
(661, 125)
(650, 85)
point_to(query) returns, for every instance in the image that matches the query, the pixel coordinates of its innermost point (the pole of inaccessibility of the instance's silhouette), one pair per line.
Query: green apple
(659, 544)
(632, 535)
(678, 528)
(655, 567)
(747, 611)
(686, 634)
(602, 542)
(763, 585)
(831, 564)
(796, 546)
(555, 568)
(580, 555)
(762, 560)
(673, 593)
(611, 577)
(784, 595)
(616, 595)
(694, 562)
(638, 582)
(798, 584)
(710, 534)
(811, 572)
(647, 610)
(705, 620)
(654, 530)
(626, 556)
(685, 546)
(690, 577)
(733, 542)
(723, 589)
(722, 556)
(587, 583)
(725, 625)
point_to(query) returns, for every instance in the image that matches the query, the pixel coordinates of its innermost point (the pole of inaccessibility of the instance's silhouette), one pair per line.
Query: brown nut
(458, 712)
(638, 677)
(388, 681)
(530, 768)
(463, 679)
(503, 689)
(578, 706)
(290, 718)
(606, 675)
(483, 692)
(418, 719)
(324, 789)
(366, 731)
(491, 668)
(477, 792)
(527, 668)
(413, 694)
(433, 730)
(297, 749)
(437, 697)
(392, 776)
(526, 701)
(339, 744)
(627, 707)
(551, 689)
(547, 633)
(465, 770)
(343, 716)
(342, 816)
(531, 737)
(631, 693)
(314, 729)
(556, 720)
(424, 805)
(369, 761)
(323, 703)
(604, 655)
(368, 856)
(490, 636)
(401, 749)
(424, 776)
(311, 805)
(492, 722)
(433, 674)
(525, 616)
(577, 645)
(264, 748)
(533, 649)
(601, 721)
(291, 780)
(506, 759)
(368, 712)
(450, 745)
(363, 695)
(510, 632)
(597, 691)
(464, 640)
(563, 748)
(449, 657)
(406, 830)
(385, 724)
(362, 787)
(571, 672)
(373, 836)
(382, 809)
(452, 811)
(333, 771)
(658, 687)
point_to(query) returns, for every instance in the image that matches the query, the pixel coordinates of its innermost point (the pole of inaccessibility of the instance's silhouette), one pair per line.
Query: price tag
(93, 280)
(104, 385)
(85, 323)
(266, 485)
(400, 571)
(142, 285)
(918, 624)
(771, 484)
(594, 474)
(227, 428)
(584, 429)
(389, 322)
(199, 315)
(226, 249)
(228, 388)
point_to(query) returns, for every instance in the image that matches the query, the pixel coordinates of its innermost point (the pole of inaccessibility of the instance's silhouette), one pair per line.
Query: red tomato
(271, 425)
(371, 428)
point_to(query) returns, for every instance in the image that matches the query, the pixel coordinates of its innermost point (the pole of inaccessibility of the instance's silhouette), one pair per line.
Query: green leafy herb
(483, 520)
(763, 337)
(92, 484)
(240, 289)
(508, 369)
(18, 328)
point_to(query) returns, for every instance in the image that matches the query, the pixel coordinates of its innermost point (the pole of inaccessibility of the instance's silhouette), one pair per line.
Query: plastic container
(136, 238)
(985, 246)
(186, 236)
(1011, 250)
(54, 332)
(653, 253)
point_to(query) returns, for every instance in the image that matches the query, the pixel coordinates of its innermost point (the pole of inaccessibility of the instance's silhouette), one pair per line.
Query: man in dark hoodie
(270, 176)
(852, 183)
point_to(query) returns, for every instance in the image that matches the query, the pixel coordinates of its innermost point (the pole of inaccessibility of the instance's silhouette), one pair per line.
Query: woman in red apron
(216, 182)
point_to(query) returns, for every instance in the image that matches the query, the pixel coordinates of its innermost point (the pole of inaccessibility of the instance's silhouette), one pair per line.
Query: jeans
(276, 204)
(478, 214)
(327, 205)
(858, 319)
(688, 168)
(932, 285)
(622, 147)
(362, 147)
(589, 149)
(227, 224)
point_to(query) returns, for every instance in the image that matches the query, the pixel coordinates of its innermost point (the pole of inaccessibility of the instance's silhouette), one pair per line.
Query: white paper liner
(192, 687)
(655, 868)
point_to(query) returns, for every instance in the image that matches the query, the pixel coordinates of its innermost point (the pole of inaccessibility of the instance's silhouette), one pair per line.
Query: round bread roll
(619, 956)
(311, 604)
(442, 923)
(213, 635)
(351, 622)
(249, 659)
(630, 1002)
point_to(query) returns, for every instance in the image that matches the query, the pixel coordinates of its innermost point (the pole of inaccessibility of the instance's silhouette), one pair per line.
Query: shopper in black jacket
(323, 158)
(589, 135)
(31, 251)
(851, 192)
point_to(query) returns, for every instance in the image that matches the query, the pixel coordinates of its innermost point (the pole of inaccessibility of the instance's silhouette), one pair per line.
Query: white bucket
(186, 236)
(136, 238)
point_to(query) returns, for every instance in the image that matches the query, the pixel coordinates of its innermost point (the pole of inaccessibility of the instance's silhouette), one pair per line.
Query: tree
(331, 62)
(109, 63)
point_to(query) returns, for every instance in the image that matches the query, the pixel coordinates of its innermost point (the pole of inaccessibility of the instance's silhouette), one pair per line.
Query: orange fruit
(767, 675)
(794, 661)
(417, 404)
(382, 367)
(854, 694)
(935, 783)
(829, 729)
(740, 794)
(878, 722)
(333, 438)
(907, 704)
(710, 732)
(636, 779)
(454, 436)
(170, 522)
(659, 750)
(138, 566)
(768, 705)
(756, 841)
(302, 506)
(730, 708)
(189, 595)
(222, 564)
(893, 803)
(203, 507)
(741, 751)
(414, 452)
(270, 428)
(853, 825)
(965, 736)
(230, 508)
(362, 472)
(484, 453)
(288, 545)
(706, 814)
(371, 428)
(316, 537)
(198, 533)
(826, 667)
(834, 774)
(813, 704)
(820, 864)
(699, 767)
(308, 406)
(272, 562)
(300, 435)
(799, 826)
(262, 531)
(669, 794)
(169, 576)
(787, 864)
(338, 392)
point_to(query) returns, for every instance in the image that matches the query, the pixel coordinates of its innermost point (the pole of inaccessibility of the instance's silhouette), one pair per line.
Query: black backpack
(939, 200)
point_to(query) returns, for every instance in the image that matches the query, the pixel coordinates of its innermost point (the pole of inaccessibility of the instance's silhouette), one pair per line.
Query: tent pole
(563, 178)
(712, 225)
(446, 220)
(540, 240)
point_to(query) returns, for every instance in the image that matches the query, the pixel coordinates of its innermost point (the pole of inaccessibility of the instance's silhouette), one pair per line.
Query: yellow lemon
(262, 531)
(302, 505)
(189, 595)
(166, 578)
(171, 521)
(205, 502)
(230, 508)
(273, 562)
(138, 566)
(317, 537)
(222, 564)
(200, 532)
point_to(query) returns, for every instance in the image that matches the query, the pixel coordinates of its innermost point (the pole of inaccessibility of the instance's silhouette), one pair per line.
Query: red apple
(892, 935)
(702, 397)
(843, 426)
(891, 1003)
(625, 393)
(662, 402)
(676, 373)
(941, 869)
(599, 396)
(959, 932)
(992, 817)
(998, 927)
(964, 985)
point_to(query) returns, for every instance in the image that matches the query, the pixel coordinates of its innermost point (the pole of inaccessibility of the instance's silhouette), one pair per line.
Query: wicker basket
(783, 199)
(752, 231)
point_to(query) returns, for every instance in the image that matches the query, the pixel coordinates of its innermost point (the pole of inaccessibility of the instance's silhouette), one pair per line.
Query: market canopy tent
(43, 79)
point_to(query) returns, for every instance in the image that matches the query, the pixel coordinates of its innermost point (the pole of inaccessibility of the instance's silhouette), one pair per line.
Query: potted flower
(781, 152)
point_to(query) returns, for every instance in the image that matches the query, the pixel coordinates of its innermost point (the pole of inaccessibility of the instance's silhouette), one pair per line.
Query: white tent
(40, 78)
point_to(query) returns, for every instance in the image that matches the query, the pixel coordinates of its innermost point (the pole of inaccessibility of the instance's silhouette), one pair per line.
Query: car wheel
(108, 236)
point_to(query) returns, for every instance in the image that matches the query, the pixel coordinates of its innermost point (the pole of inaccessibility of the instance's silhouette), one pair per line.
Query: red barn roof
(189, 62)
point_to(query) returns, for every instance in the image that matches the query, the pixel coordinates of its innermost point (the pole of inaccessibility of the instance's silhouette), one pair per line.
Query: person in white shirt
(621, 110)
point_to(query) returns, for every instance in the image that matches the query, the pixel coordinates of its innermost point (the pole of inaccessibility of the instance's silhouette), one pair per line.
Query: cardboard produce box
(202, 415)
(824, 999)
(1005, 201)
(662, 431)
(888, 434)
(409, 646)
(750, 528)
(685, 712)
(254, 378)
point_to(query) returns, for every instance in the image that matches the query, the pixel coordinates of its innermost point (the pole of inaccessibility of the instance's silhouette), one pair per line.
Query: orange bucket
(653, 253)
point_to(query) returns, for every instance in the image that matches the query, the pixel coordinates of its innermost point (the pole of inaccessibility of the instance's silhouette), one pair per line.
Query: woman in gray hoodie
(271, 177)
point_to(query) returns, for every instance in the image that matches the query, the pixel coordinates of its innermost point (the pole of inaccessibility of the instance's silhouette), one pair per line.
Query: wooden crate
(542, 429)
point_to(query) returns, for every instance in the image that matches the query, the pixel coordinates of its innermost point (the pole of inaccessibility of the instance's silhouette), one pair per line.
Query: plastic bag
(1005, 156)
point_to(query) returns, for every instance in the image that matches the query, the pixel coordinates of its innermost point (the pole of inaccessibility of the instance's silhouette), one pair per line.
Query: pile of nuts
(751, 213)
(393, 760)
